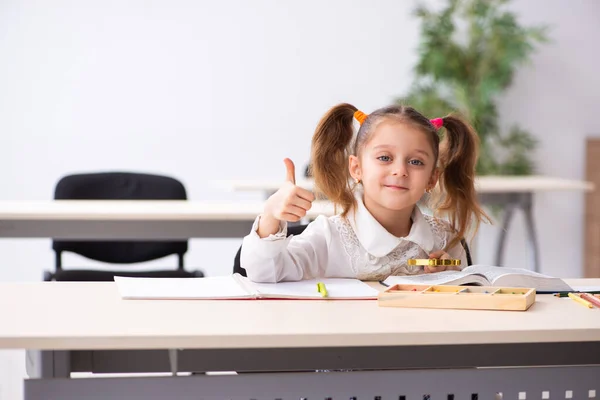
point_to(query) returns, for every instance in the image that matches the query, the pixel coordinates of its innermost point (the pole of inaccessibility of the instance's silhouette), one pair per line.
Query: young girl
(376, 178)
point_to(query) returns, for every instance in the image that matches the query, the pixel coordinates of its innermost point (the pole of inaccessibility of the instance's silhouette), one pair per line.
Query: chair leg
(58, 260)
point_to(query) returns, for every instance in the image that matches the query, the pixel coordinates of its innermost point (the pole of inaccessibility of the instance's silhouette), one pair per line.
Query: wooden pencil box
(457, 297)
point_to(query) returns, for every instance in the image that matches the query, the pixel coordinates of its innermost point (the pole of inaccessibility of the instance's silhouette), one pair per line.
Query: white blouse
(354, 247)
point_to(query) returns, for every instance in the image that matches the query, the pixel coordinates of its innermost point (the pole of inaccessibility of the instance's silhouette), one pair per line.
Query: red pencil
(590, 298)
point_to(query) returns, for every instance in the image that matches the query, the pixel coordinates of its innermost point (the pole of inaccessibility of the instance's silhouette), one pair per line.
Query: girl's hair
(455, 156)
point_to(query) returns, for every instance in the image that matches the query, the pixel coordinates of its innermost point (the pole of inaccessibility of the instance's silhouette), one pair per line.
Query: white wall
(225, 90)
(200, 90)
(556, 98)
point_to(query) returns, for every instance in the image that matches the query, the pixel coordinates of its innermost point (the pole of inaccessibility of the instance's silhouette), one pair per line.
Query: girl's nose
(400, 170)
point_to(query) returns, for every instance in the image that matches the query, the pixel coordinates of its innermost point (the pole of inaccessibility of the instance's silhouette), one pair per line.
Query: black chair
(118, 186)
(298, 229)
(467, 251)
(307, 171)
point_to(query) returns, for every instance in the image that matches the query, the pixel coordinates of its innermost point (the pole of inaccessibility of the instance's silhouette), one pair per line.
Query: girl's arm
(279, 258)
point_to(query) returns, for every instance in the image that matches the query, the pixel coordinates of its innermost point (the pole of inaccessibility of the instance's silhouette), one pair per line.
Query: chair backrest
(298, 229)
(120, 186)
(467, 251)
(308, 171)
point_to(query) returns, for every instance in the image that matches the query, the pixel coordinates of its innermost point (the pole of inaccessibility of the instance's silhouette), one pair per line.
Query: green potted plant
(468, 53)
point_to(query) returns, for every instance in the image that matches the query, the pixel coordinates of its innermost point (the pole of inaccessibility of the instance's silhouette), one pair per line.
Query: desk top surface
(64, 315)
(124, 210)
(483, 184)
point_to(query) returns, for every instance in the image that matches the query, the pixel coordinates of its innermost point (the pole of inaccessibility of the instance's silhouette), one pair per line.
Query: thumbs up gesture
(290, 203)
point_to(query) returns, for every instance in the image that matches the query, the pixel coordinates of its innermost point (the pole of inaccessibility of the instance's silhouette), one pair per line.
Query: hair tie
(360, 116)
(437, 122)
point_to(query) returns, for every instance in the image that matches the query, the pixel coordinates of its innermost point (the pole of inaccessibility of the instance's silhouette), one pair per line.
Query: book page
(437, 278)
(337, 288)
(517, 277)
(218, 287)
(586, 288)
(492, 272)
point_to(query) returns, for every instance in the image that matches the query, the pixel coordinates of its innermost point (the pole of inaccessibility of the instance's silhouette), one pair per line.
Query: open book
(238, 287)
(484, 275)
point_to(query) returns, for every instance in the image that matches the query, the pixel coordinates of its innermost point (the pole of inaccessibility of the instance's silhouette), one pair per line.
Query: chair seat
(107, 276)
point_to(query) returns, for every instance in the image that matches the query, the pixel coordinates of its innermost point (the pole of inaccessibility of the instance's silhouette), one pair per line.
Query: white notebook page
(337, 288)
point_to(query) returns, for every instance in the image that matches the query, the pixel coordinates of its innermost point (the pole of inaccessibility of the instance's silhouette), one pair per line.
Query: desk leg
(48, 364)
(527, 205)
(510, 202)
(173, 361)
(508, 213)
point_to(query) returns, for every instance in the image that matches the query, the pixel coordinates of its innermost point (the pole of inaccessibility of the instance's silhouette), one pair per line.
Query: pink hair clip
(437, 122)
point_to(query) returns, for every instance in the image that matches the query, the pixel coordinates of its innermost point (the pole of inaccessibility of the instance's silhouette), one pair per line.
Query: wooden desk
(87, 327)
(118, 219)
(510, 192)
(100, 319)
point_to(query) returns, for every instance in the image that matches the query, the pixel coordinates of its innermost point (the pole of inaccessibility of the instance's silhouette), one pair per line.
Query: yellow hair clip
(360, 116)
(433, 262)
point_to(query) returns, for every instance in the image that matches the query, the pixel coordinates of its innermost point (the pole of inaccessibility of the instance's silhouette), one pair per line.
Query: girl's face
(396, 166)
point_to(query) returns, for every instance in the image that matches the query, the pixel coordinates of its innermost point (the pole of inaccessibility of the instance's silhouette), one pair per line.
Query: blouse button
(372, 259)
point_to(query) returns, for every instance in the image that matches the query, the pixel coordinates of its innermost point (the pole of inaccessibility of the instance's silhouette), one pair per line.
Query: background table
(119, 219)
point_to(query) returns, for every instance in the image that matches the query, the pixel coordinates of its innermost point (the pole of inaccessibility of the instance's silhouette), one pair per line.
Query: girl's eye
(384, 158)
(416, 162)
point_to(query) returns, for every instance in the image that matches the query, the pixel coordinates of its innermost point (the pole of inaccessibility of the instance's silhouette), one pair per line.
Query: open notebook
(238, 287)
(485, 275)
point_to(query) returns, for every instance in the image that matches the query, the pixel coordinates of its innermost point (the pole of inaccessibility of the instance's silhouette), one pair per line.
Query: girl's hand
(440, 254)
(290, 203)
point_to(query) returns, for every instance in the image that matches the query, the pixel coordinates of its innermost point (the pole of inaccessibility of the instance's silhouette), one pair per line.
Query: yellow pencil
(580, 300)
(322, 289)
